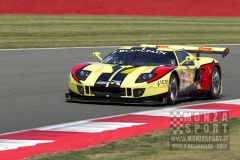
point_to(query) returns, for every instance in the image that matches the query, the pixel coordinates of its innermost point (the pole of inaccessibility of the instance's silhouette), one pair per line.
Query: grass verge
(27, 31)
(151, 147)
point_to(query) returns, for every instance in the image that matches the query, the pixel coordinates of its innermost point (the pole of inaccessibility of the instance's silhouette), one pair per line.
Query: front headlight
(144, 77)
(82, 74)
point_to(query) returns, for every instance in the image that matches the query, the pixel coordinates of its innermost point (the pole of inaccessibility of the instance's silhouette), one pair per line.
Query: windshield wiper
(134, 57)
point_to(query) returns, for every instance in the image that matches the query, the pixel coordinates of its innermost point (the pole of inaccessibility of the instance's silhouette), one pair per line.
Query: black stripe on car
(118, 78)
(103, 79)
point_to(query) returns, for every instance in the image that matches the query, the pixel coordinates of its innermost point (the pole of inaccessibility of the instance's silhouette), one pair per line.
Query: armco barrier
(123, 7)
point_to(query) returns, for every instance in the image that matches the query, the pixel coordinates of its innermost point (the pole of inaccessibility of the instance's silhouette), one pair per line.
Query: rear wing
(193, 49)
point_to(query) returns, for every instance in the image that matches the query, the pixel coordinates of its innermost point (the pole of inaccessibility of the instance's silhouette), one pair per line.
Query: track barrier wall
(227, 8)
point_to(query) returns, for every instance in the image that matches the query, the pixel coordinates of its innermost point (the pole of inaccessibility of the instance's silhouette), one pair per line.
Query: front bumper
(152, 100)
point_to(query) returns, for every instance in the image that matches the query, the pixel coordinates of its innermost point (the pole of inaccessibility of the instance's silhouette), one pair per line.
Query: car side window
(182, 56)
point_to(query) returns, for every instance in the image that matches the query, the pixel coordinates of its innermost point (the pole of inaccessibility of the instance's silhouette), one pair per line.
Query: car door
(187, 73)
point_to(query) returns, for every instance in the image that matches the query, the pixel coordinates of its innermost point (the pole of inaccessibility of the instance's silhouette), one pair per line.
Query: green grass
(153, 146)
(21, 31)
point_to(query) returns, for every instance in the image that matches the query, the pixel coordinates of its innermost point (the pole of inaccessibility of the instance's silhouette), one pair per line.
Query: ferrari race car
(153, 74)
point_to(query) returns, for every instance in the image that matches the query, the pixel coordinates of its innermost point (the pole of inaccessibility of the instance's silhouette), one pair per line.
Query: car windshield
(141, 57)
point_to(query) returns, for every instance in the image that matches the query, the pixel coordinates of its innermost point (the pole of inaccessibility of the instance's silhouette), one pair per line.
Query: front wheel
(172, 90)
(215, 84)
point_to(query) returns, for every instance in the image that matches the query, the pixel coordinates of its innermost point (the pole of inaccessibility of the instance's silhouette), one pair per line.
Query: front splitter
(114, 100)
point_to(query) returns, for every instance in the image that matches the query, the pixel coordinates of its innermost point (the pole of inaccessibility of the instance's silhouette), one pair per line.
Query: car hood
(116, 75)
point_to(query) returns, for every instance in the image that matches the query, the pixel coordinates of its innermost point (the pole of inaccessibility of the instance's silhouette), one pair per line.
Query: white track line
(7, 144)
(89, 127)
(235, 101)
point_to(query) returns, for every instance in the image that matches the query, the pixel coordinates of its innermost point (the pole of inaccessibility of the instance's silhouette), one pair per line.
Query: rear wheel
(172, 90)
(215, 84)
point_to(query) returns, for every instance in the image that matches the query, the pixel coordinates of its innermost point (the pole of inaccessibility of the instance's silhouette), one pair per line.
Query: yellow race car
(151, 74)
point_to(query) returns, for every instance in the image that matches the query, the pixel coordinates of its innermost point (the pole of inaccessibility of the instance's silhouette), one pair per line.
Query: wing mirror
(97, 54)
(188, 59)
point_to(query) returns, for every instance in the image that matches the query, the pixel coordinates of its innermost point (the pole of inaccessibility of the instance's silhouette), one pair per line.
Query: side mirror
(97, 54)
(188, 59)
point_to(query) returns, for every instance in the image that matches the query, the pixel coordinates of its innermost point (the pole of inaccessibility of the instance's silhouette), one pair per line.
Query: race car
(147, 74)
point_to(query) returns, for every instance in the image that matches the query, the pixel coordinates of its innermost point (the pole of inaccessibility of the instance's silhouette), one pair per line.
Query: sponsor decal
(162, 46)
(152, 87)
(205, 48)
(158, 83)
(189, 75)
(186, 78)
(188, 81)
(102, 82)
(143, 50)
(162, 83)
(116, 82)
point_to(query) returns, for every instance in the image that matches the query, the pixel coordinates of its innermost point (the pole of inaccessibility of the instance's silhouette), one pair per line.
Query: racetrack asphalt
(33, 83)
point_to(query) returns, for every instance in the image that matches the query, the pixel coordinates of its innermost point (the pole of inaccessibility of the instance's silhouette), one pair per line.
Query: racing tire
(215, 85)
(172, 90)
